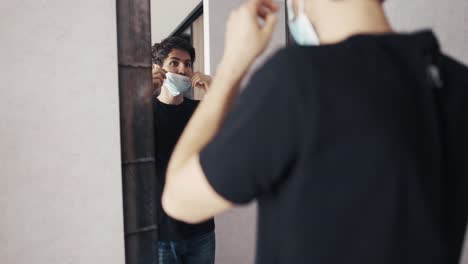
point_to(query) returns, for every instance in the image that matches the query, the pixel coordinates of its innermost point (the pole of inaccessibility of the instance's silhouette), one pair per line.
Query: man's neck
(339, 20)
(166, 97)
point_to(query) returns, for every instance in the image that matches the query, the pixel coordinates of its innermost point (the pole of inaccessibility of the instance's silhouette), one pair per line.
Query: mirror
(178, 26)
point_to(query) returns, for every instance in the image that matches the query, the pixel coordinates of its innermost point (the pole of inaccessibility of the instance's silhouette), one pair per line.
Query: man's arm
(187, 195)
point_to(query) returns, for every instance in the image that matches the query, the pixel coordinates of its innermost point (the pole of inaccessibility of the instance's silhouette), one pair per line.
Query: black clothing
(170, 121)
(357, 152)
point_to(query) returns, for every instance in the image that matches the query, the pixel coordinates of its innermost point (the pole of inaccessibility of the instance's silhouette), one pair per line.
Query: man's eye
(188, 65)
(174, 63)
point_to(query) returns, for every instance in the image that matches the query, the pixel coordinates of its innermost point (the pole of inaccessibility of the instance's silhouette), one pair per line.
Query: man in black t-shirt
(173, 75)
(354, 142)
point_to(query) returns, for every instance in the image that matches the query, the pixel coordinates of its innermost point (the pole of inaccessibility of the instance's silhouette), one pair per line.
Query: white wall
(60, 190)
(166, 15)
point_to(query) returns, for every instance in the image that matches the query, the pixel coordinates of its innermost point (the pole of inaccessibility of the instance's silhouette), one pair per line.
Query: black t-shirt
(357, 152)
(170, 121)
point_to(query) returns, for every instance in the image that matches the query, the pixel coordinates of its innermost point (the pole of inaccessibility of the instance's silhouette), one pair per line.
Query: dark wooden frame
(137, 132)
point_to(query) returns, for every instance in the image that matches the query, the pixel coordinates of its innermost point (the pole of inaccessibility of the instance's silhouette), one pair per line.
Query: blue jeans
(198, 250)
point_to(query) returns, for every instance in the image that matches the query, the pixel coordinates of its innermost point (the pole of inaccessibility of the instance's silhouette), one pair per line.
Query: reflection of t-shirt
(353, 153)
(170, 121)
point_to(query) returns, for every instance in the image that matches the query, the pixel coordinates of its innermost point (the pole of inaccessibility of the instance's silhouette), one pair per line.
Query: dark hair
(160, 51)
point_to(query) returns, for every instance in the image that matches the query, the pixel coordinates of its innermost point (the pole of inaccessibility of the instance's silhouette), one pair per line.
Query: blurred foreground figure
(354, 142)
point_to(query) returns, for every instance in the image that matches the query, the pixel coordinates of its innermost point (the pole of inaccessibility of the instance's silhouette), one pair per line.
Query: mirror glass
(178, 26)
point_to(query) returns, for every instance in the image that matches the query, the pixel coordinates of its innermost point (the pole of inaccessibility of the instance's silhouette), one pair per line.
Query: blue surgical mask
(300, 26)
(176, 83)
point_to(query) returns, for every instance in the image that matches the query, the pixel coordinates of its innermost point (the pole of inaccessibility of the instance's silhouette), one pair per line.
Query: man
(356, 149)
(172, 76)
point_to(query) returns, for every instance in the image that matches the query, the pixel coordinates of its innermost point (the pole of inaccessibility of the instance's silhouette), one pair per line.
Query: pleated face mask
(300, 26)
(176, 83)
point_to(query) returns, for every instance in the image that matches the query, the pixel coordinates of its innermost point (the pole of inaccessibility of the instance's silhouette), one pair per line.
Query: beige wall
(60, 190)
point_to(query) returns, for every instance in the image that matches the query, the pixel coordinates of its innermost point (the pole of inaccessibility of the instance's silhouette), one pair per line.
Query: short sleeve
(258, 142)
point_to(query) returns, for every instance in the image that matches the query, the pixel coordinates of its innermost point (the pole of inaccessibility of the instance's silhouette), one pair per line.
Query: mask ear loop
(291, 15)
(300, 8)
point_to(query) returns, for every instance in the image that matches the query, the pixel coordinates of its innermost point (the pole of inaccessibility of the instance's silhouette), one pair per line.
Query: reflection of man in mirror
(173, 75)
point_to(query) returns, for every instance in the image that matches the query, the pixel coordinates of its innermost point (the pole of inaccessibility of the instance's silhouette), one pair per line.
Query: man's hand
(159, 74)
(249, 29)
(201, 81)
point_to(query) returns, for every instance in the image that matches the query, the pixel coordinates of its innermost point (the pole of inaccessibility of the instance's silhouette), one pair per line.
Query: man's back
(368, 166)
(455, 117)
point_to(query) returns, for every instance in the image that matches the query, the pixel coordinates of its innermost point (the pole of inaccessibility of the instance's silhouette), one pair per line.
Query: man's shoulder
(456, 67)
(296, 59)
(291, 53)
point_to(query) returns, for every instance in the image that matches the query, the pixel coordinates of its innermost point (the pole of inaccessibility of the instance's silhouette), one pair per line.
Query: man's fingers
(270, 4)
(262, 12)
(158, 69)
(155, 68)
(269, 26)
(195, 76)
(199, 82)
(195, 81)
(163, 73)
(158, 80)
(159, 75)
(157, 84)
